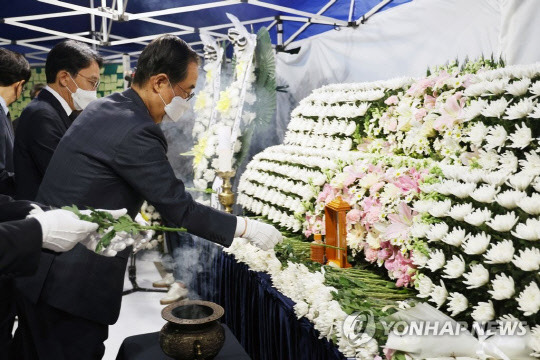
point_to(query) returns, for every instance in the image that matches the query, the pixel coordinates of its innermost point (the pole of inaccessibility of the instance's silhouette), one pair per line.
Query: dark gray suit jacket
(113, 156)
(7, 176)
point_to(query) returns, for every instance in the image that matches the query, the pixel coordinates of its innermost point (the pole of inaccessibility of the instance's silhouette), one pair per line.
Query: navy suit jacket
(41, 126)
(7, 184)
(20, 238)
(113, 156)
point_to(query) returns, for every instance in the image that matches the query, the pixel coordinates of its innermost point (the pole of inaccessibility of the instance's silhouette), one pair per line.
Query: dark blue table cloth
(261, 318)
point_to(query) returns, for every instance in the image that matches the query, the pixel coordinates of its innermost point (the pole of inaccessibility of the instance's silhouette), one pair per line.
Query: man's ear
(159, 82)
(62, 77)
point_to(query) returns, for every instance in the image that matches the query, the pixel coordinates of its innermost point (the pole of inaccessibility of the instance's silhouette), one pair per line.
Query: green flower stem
(161, 228)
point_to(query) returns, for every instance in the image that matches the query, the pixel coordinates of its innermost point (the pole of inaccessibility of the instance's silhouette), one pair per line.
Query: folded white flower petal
(503, 223)
(500, 253)
(529, 300)
(478, 276)
(528, 259)
(476, 244)
(455, 237)
(503, 287)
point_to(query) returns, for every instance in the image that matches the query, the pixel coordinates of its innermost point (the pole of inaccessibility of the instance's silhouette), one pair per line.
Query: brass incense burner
(226, 197)
(193, 330)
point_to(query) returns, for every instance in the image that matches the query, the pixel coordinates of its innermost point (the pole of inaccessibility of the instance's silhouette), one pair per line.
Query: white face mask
(176, 108)
(81, 98)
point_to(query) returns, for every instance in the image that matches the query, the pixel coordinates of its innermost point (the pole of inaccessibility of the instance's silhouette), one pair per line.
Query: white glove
(260, 234)
(62, 229)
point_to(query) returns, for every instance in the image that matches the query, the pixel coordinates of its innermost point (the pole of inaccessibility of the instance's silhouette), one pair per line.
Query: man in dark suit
(72, 72)
(115, 155)
(36, 89)
(21, 241)
(14, 73)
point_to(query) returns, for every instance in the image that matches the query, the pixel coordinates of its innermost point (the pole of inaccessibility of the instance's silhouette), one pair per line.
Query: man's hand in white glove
(62, 229)
(260, 234)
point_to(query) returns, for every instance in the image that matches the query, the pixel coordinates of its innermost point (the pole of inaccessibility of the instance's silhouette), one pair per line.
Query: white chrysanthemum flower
(528, 259)
(477, 133)
(518, 87)
(439, 294)
(535, 88)
(478, 276)
(457, 303)
(471, 175)
(419, 259)
(503, 287)
(436, 260)
(534, 340)
(485, 194)
(497, 86)
(500, 253)
(528, 231)
(536, 184)
(509, 198)
(455, 237)
(483, 312)
(476, 244)
(488, 160)
(440, 208)
(459, 211)
(496, 137)
(535, 113)
(495, 108)
(529, 299)
(478, 217)
(474, 109)
(530, 204)
(503, 223)
(423, 206)
(520, 181)
(521, 138)
(454, 268)
(462, 190)
(531, 164)
(496, 178)
(424, 285)
(437, 232)
(520, 110)
(508, 162)
(419, 229)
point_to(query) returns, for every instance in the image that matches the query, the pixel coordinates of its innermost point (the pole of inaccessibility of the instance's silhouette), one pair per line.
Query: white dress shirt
(4, 105)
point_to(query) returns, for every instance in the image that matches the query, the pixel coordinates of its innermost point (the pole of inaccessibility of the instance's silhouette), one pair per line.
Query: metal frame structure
(111, 11)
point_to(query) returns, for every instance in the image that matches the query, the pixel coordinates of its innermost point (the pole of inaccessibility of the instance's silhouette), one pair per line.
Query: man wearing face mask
(72, 70)
(14, 73)
(115, 156)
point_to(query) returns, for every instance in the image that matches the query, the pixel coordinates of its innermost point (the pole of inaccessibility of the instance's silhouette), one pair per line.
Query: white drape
(405, 41)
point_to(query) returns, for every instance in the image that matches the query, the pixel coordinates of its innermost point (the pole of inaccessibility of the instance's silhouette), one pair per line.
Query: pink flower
(371, 254)
(420, 87)
(376, 187)
(404, 280)
(354, 216)
(429, 101)
(419, 114)
(400, 223)
(441, 79)
(388, 353)
(372, 210)
(406, 183)
(451, 113)
(392, 100)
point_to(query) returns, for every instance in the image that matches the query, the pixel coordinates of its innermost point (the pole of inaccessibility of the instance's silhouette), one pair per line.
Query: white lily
(503, 223)
(500, 253)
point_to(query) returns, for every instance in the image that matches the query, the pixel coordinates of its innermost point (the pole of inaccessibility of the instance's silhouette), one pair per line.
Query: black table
(146, 347)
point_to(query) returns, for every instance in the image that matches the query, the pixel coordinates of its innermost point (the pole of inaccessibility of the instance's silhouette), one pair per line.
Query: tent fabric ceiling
(11, 35)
